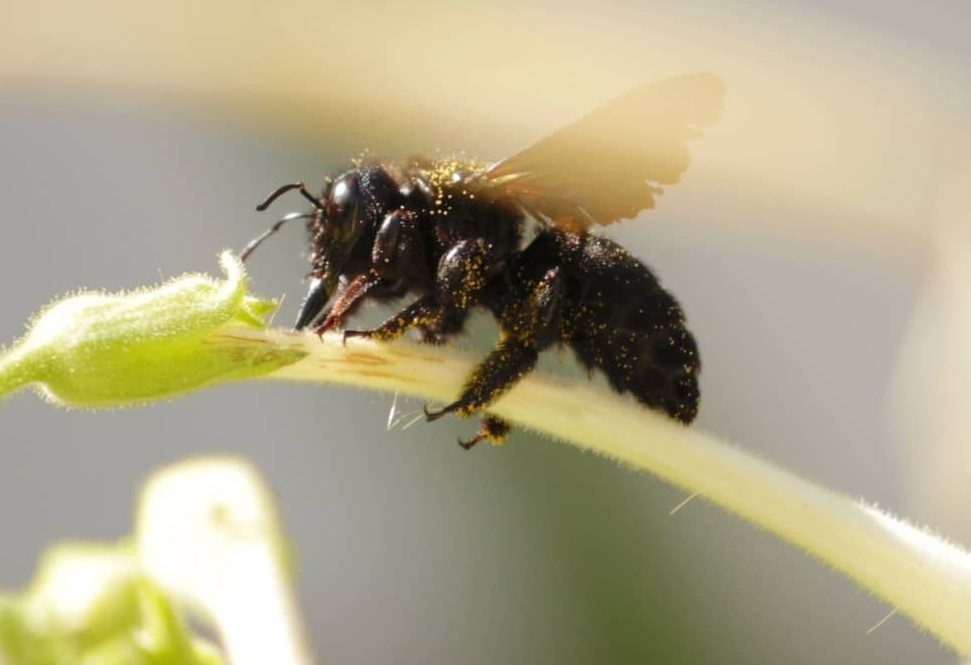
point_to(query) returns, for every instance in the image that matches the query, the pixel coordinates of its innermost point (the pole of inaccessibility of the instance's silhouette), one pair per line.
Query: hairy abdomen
(618, 319)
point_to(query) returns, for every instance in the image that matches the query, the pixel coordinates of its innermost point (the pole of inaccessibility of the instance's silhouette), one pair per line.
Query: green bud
(96, 350)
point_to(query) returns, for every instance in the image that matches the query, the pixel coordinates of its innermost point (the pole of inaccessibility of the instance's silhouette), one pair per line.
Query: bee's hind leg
(509, 362)
(492, 428)
(528, 330)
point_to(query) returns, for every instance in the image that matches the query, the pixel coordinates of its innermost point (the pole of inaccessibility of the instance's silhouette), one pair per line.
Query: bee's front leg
(462, 273)
(422, 312)
(397, 260)
(348, 301)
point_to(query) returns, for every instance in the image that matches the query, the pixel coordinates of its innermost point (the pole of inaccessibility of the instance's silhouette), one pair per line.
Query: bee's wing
(603, 167)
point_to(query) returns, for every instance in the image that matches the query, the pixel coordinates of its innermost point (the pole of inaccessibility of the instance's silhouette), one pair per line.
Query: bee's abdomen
(620, 320)
(657, 362)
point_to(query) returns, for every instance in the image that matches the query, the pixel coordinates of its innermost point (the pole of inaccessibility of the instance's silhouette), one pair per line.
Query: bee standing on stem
(452, 233)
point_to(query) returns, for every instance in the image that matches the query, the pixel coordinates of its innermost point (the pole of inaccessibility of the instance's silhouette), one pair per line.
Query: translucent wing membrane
(608, 165)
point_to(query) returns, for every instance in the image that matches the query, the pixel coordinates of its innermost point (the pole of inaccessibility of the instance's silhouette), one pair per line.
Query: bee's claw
(432, 416)
(323, 327)
(357, 333)
(467, 444)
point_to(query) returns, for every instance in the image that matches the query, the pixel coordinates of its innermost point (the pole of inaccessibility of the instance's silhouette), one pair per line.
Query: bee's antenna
(255, 242)
(279, 191)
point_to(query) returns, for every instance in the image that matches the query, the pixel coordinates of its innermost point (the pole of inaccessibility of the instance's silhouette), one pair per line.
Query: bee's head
(335, 227)
(335, 223)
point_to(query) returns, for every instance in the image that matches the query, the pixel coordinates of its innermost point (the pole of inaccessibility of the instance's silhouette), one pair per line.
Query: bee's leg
(493, 429)
(509, 361)
(422, 312)
(398, 252)
(532, 329)
(348, 301)
(398, 259)
(431, 337)
(462, 274)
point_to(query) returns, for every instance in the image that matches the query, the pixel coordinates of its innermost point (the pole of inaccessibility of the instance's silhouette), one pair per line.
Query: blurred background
(819, 244)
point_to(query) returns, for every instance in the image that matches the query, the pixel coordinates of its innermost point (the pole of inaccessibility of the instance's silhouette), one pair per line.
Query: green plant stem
(916, 572)
(13, 372)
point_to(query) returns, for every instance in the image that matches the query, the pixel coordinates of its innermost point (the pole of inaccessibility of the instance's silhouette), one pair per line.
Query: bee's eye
(343, 207)
(344, 191)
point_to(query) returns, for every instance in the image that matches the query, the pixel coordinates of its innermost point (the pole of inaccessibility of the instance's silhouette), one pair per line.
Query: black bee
(453, 234)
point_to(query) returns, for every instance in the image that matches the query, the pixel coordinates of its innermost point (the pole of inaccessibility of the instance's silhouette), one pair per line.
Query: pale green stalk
(103, 350)
(13, 373)
(915, 571)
